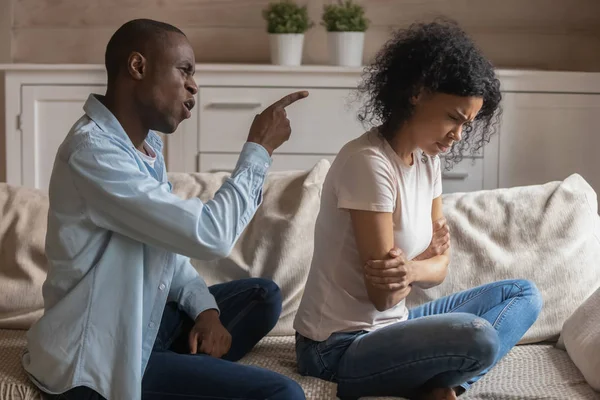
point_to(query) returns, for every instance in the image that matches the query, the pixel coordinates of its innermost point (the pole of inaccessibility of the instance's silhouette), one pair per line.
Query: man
(126, 315)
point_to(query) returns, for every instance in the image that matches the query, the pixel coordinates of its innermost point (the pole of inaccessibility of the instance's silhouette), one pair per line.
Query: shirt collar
(97, 111)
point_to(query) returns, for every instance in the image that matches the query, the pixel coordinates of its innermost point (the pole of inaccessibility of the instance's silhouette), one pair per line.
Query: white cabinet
(281, 162)
(548, 136)
(321, 122)
(466, 176)
(548, 128)
(48, 114)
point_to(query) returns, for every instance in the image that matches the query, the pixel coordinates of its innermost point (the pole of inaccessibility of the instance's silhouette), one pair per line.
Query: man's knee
(270, 292)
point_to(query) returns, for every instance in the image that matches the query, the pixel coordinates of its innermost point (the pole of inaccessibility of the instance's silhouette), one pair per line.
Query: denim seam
(242, 314)
(246, 309)
(322, 362)
(500, 317)
(241, 291)
(480, 294)
(395, 367)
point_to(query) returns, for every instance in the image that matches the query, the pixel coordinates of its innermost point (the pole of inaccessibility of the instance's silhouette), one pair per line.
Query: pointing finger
(290, 98)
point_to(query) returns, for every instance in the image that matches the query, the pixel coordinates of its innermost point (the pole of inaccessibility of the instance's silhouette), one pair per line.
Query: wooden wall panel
(2, 131)
(537, 34)
(6, 20)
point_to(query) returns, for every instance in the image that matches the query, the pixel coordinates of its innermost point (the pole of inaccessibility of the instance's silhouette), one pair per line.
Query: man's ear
(136, 65)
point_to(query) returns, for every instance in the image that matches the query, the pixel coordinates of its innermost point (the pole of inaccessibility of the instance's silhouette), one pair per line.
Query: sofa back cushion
(544, 233)
(23, 264)
(277, 243)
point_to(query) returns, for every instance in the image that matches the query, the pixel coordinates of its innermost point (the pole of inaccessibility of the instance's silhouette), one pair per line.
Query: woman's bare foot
(439, 394)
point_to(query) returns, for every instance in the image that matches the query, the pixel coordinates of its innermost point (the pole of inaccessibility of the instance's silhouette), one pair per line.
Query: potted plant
(286, 24)
(346, 24)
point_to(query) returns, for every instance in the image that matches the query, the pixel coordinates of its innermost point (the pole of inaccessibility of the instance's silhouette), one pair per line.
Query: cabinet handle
(229, 105)
(455, 175)
(215, 170)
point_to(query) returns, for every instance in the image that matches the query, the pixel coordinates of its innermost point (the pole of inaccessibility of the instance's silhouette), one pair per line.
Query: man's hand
(393, 274)
(271, 128)
(440, 241)
(212, 336)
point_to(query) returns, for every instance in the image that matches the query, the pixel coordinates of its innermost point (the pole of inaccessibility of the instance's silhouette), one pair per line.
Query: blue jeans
(249, 308)
(449, 342)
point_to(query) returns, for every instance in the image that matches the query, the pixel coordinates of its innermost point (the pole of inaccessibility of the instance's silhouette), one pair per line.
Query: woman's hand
(392, 274)
(440, 241)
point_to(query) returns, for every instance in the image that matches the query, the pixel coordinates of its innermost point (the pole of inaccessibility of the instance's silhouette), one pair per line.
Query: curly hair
(434, 57)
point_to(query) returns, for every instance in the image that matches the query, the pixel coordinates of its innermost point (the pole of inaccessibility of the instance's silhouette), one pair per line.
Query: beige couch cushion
(277, 243)
(527, 372)
(581, 337)
(23, 264)
(545, 233)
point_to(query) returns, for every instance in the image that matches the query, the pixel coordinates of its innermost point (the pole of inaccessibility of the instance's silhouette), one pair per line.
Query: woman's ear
(417, 97)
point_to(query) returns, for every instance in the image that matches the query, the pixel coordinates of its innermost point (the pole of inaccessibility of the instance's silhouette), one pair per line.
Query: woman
(430, 91)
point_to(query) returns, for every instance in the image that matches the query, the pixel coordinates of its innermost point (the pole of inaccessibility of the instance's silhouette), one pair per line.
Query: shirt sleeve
(366, 182)
(121, 198)
(437, 177)
(189, 290)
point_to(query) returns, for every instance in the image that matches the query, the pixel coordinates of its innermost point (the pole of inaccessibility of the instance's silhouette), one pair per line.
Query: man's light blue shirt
(118, 244)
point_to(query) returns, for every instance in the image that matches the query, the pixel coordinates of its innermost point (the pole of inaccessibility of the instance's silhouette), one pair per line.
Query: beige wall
(539, 34)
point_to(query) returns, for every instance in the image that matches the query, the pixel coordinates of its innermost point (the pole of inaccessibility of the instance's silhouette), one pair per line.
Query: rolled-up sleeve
(189, 290)
(121, 198)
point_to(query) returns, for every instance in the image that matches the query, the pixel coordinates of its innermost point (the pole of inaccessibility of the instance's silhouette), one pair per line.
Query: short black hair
(435, 57)
(135, 35)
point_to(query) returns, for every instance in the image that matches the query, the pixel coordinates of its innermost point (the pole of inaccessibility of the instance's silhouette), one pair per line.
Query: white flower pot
(286, 48)
(346, 48)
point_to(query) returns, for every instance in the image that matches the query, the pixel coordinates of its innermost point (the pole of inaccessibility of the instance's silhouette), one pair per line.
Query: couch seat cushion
(528, 372)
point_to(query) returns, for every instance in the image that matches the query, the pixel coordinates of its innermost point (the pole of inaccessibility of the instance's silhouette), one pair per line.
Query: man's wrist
(208, 314)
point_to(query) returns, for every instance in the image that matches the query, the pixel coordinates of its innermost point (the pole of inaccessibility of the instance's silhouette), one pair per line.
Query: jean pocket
(321, 359)
(309, 360)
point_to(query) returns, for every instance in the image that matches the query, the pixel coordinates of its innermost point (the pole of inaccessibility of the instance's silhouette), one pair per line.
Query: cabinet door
(48, 114)
(466, 176)
(546, 137)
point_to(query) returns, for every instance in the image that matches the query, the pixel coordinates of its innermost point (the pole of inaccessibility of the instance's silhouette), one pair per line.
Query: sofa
(547, 233)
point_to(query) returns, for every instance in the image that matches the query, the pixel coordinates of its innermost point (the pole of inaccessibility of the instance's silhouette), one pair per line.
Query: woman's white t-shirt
(366, 175)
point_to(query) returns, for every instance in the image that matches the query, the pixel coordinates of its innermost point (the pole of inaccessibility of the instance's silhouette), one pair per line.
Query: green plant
(286, 17)
(345, 16)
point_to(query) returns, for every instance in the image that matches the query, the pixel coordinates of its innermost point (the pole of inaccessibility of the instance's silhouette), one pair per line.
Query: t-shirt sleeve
(437, 178)
(366, 182)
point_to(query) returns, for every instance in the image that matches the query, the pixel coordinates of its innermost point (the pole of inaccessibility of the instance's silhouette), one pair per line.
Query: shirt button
(266, 165)
(151, 325)
(162, 286)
